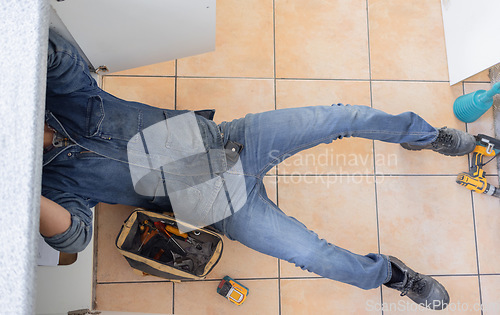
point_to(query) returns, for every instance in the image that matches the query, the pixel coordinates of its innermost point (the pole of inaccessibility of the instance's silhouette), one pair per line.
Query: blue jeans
(77, 180)
(268, 139)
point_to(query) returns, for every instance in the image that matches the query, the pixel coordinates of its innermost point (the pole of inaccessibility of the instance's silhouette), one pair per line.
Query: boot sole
(406, 147)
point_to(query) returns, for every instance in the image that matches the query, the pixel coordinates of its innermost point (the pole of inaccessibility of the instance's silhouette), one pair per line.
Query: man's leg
(262, 226)
(273, 136)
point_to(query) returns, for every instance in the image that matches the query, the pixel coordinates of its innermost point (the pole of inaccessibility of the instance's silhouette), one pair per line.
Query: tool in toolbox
(232, 290)
(157, 255)
(154, 233)
(475, 178)
(159, 228)
(172, 229)
(146, 235)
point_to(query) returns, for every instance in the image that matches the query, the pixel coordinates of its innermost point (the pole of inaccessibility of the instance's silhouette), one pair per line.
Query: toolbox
(152, 244)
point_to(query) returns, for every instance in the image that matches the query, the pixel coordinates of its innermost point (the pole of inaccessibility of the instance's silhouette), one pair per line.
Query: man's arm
(54, 219)
(65, 220)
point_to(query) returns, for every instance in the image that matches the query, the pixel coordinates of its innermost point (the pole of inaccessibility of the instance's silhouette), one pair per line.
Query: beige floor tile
(427, 222)
(239, 261)
(432, 101)
(491, 294)
(483, 76)
(339, 157)
(231, 98)
(324, 296)
(201, 298)
(331, 206)
(463, 291)
(393, 159)
(111, 265)
(160, 69)
(300, 93)
(407, 40)
(487, 209)
(243, 46)
(154, 91)
(321, 39)
(135, 297)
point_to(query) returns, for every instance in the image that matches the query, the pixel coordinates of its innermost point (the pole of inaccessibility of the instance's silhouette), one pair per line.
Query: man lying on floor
(99, 148)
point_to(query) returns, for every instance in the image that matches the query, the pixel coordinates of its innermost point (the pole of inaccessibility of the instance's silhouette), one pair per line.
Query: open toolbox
(152, 243)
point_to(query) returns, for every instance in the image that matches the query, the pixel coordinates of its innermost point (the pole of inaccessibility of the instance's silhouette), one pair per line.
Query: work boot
(451, 142)
(421, 289)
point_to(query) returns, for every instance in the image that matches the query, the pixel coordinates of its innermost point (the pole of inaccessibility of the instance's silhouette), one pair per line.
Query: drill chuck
(497, 193)
(477, 184)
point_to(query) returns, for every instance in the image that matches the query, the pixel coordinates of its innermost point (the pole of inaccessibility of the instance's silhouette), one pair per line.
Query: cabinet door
(124, 34)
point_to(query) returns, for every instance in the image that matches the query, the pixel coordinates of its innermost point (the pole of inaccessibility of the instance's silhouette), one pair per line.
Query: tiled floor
(365, 196)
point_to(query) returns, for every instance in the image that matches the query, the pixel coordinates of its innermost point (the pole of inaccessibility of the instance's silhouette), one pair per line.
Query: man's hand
(54, 219)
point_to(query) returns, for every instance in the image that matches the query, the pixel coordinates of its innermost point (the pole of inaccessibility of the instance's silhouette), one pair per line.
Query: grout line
(368, 175)
(474, 221)
(274, 52)
(317, 79)
(373, 144)
(137, 282)
(463, 275)
(276, 169)
(175, 85)
(477, 250)
(288, 278)
(287, 79)
(278, 78)
(472, 82)
(173, 297)
(140, 75)
(228, 78)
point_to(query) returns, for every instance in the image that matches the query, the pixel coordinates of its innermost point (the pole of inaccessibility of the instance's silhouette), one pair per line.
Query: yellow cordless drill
(475, 179)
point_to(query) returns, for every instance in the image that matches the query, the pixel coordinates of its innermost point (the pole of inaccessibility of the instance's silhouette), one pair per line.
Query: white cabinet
(472, 32)
(124, 34)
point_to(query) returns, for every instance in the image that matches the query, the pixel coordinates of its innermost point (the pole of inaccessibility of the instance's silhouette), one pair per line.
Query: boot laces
(443, 139)
(414, 284)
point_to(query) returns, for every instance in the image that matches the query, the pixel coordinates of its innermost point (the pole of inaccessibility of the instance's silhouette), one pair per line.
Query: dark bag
(152, 244)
